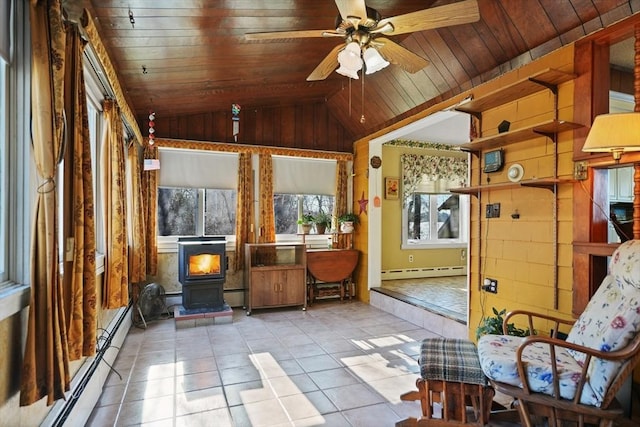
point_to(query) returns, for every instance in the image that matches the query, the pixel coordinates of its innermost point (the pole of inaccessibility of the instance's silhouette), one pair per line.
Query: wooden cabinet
(275, 275)
(621, 184)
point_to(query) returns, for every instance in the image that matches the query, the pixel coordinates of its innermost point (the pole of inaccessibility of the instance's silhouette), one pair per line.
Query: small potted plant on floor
(493, 325)
(306, 221)
(347, 222)
(322, 221)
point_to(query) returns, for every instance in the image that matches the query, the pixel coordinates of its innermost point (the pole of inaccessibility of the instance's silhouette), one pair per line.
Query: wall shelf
(547, 129)
(545, 79)
(546, 183)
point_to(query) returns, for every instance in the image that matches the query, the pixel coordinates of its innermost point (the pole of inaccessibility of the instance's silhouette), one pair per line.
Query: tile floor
(337, 364)
(447, 296)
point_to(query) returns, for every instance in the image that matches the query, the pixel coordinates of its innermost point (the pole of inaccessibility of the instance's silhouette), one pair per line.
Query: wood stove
(202, 265)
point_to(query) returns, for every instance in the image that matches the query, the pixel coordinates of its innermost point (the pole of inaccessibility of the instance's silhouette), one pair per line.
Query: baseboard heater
(416, 273)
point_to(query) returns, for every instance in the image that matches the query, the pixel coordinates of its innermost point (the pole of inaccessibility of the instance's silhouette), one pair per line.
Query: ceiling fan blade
(398, 55)
(284, 35)
(352, 8)
(462, 12)
(326, 66)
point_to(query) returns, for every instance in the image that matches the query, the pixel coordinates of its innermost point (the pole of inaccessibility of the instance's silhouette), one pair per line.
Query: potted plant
(348, 221)
(306, 221)
(493, 325)
(322, 221)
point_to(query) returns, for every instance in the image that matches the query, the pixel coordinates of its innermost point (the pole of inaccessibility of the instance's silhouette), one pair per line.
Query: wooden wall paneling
(287, 131)
(249, 123)
(264, 126)
(221, 126)
(393, 97)
(467, 60)
(582, 206)
(308, 118)
(195, 127)
(622, 81)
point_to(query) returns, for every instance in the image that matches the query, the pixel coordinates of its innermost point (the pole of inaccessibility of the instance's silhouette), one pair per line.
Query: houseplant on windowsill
(322, 221)
(306, 221)
(347, 222)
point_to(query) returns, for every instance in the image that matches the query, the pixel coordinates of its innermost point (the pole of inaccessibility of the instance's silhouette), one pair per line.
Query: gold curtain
(137, 238)
(150, 197)
(244, 217)
(80, 273)
(45, 370)
(116, 292)
(340, 205)
(267, 216)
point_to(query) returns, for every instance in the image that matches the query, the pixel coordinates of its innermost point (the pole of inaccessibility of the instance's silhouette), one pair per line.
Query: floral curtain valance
(452, 171)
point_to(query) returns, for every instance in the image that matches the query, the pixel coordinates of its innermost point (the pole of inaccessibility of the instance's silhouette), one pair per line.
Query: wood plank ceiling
(190, 57)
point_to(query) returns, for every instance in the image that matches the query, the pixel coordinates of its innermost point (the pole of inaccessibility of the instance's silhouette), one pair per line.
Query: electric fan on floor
(151, 303)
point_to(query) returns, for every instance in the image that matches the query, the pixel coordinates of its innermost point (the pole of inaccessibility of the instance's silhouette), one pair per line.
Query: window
(17, 178)
(430, 219)
(94, 114)
(3, 170)
(301, 186)
(196, 212)
(288, 208)
(197, 194)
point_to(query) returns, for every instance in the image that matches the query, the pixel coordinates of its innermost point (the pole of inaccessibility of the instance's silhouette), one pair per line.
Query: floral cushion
(608, 323)
(612, 317)
(498, 361)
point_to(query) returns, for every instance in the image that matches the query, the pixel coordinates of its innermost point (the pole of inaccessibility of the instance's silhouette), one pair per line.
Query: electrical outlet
(410, 258)
(493, 210)
(490, 285)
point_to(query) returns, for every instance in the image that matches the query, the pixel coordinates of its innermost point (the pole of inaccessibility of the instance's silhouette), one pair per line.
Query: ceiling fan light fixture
(373, 60)
(350, 60)
(348, 72)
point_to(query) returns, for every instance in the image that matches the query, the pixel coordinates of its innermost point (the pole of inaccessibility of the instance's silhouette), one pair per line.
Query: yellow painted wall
(361, 237)
(518, 253)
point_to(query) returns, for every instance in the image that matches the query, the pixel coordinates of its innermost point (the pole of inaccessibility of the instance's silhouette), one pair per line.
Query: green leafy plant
(349, 217)
(493, 325)
(306, 219)
(322, 219)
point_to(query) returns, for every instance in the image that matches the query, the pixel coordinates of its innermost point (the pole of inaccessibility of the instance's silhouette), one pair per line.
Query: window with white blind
(197, 194)
(301, 186)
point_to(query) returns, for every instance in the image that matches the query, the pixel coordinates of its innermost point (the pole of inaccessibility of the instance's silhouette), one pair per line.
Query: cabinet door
(625, 184)
(293, 287)
(264, 288)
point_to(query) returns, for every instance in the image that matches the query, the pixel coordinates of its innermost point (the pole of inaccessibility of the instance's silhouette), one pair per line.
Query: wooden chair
(554, 381)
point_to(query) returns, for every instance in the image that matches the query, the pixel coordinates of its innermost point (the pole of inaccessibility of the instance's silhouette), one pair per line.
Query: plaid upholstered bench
(451, 380)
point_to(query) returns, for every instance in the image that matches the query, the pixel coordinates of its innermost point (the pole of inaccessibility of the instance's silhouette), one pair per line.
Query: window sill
(434, 245)
(13, 298)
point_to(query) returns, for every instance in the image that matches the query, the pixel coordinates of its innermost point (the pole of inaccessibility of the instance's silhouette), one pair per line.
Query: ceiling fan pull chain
(362, 119)
(349, 97)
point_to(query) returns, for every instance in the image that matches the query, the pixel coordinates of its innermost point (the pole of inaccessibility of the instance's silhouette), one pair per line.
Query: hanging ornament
(235, 110)
(152, 131)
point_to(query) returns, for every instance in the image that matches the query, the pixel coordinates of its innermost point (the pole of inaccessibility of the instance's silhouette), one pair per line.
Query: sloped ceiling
(190, 56)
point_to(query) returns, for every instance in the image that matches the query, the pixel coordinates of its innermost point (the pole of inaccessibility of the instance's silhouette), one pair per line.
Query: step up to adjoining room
(418, 313)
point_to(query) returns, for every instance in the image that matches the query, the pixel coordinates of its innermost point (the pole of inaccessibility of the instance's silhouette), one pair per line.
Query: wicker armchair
(554, 380)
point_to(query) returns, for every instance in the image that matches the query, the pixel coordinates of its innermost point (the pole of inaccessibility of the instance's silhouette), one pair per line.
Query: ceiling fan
(363, 28)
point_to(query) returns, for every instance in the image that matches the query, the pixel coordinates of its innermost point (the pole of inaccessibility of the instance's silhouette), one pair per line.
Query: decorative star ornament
(363, 203)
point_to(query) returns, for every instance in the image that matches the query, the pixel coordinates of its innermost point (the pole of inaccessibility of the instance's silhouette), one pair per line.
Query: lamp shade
(614, 133)
(373, 60)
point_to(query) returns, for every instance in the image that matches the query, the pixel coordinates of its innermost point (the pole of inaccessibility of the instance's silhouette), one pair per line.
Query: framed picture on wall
(391, 188)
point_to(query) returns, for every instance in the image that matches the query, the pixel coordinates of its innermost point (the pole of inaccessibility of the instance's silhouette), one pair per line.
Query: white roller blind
(198, 169)
(298, 175)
